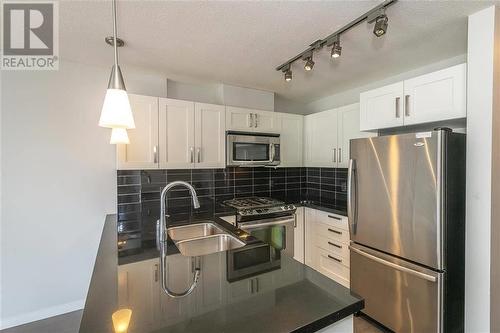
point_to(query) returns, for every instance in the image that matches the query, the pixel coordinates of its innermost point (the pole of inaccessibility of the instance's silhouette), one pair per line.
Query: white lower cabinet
(298, 235)
(327, 244)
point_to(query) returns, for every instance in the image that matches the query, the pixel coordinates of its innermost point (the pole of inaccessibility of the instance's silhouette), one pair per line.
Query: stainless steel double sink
(202, 238)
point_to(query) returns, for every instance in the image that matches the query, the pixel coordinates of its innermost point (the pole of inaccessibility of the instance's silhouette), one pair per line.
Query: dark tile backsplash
(139, 192)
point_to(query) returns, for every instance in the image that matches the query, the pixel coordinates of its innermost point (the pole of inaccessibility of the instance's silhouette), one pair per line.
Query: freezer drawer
(400, 295)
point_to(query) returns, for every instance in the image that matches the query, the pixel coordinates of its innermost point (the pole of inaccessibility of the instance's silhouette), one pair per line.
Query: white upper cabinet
(436, 96)
(382, 107)
(249, 120)
(427, 98)
(177, 146)
(321, 139)
(348, 128)
(142, 152)
(291, 139)
(210, 130)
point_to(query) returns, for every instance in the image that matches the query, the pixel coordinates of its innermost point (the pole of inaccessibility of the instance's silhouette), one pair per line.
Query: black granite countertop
(291, 298)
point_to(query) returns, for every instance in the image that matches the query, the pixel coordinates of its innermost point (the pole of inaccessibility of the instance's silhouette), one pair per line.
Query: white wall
(481, 112)
(352, 96)
(58, 181)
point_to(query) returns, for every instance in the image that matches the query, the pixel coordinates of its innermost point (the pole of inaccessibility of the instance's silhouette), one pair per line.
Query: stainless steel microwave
(252, 149)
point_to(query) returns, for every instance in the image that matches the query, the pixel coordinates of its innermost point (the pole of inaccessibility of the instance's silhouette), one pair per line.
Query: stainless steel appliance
(251, 260)
(406, 207)
(252, 149)
(267, 219)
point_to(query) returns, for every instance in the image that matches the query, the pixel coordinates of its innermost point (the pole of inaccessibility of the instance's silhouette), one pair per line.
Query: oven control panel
(267, 210)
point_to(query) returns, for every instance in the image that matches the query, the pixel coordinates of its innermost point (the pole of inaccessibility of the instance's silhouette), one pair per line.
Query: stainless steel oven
(251, 260)
(252, 149)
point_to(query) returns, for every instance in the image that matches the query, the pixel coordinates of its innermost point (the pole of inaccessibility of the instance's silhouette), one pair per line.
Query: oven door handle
(267, 223)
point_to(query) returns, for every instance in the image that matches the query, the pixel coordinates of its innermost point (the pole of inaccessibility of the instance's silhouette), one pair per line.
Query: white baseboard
(41, 314)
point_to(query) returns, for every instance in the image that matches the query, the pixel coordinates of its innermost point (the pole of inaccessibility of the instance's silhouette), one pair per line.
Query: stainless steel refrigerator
(406, 207)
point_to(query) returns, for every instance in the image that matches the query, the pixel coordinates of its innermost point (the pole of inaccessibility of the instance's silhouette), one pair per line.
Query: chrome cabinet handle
(334, 155)
(340, 155)
(395, 266)
(157, 276)
(336, 245)
(407, 105)
(398, 113)
(250, 120)
(155, 154)
(336, 259)
(256, 120)
(295, 220)
(251, 286)
(334, 217)
(257, 284)
(335, 231)
(191, 152)
(198, 154)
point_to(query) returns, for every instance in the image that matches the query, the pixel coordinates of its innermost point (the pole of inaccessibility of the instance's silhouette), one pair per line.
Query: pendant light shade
(116, 112)
(119, 136)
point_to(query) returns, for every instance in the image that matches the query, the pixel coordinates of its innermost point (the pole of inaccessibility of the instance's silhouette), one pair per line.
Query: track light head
(336, 49)
(288, 73)
(381, 23)
(308, 66)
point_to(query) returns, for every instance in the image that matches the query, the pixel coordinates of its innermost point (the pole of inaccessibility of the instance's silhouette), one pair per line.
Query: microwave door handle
(271, 153)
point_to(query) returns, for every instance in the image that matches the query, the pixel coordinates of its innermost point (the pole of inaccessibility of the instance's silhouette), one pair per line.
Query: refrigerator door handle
(395, 266)
(351, 196)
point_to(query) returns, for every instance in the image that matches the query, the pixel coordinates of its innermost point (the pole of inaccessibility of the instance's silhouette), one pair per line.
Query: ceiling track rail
(328, 41)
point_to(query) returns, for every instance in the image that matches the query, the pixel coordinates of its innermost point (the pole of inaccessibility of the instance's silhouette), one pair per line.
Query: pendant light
(116, 111)
(119, 135)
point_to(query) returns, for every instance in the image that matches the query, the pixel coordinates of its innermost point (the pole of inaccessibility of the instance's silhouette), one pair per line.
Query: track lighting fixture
(308, 66)
(288, 74)
(336, 48)
(375, 15)
(381, 23)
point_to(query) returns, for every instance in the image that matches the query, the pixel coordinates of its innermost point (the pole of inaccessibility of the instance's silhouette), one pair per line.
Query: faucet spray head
(196, 203)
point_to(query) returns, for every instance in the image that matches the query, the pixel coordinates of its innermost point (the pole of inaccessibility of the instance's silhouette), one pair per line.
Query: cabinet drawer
(336, 248)
(332, 233)
(333, 220)
(332, 267)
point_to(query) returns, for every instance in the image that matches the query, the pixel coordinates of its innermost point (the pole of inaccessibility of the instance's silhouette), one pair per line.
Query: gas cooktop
(259, 206)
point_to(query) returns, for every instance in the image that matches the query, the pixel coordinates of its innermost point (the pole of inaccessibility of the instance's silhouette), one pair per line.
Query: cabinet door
(309, 223)
(436, 96)
(179, 278)
(348, 128)
(382, 107)
(211, 288)
(298, 236)
(177, 148)
(138, 289)
(291, 143)
(239, 119)
(210, 128)
(142, 152)
(321, 139)
(265, 121)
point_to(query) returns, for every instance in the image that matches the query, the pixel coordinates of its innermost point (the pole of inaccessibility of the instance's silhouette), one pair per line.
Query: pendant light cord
(115, 44)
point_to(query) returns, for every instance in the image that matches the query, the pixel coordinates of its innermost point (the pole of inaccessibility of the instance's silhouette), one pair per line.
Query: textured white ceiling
(240, 43)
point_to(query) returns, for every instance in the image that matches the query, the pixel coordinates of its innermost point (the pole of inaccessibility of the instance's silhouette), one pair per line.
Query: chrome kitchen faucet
(161, 239)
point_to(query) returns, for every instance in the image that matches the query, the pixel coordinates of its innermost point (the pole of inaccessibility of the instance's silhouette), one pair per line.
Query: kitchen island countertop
(291, 298)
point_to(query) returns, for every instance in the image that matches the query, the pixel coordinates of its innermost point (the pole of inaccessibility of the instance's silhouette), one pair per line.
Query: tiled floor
(66, 323)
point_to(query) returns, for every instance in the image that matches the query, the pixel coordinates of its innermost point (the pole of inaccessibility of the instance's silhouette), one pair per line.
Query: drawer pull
(336, 259)
(334, 217)
(336, 245)
(335, 231)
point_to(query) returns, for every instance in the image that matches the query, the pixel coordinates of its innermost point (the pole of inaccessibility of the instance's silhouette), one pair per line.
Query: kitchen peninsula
(290, 298)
